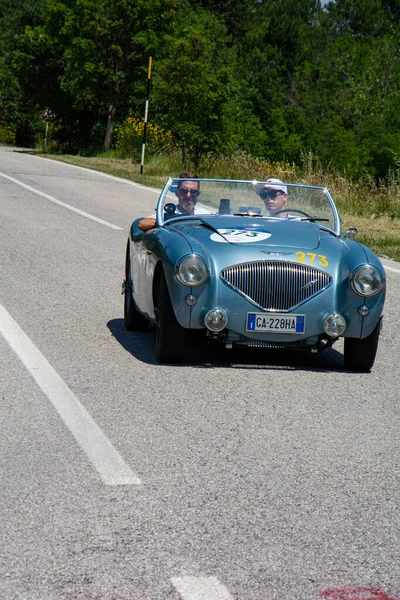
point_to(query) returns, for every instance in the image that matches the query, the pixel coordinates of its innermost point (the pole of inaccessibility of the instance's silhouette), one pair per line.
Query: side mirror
(351, 233)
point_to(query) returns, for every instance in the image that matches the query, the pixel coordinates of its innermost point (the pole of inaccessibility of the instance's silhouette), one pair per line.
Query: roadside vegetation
(374, 208)
(304, 91)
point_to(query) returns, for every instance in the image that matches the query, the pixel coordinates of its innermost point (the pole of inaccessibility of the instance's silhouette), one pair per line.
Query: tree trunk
(197, 154)
(183, 154)
(110, 126)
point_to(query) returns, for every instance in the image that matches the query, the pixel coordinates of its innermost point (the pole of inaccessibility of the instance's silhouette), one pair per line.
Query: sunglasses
(186, 191)
(271, 194)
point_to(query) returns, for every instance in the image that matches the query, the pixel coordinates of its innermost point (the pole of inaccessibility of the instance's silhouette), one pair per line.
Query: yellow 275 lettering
(309, 257)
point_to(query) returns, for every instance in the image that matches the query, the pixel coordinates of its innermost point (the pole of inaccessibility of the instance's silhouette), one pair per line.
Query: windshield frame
(336, 230)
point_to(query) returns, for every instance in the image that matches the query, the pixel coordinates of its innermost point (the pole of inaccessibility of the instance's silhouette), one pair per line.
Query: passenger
(187, 193)
(274, 194)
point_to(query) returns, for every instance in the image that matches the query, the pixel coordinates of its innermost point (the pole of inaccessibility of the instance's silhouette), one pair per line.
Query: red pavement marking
(355, 594)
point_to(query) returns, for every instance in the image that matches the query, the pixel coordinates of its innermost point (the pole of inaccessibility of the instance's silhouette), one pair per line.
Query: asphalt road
(231, 478)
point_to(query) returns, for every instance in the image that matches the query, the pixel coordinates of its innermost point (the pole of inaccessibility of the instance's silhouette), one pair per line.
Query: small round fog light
(364, 310)
(334, 325)
(190, 300)
(216, 320)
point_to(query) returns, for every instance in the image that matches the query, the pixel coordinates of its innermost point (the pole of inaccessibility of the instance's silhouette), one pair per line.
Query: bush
(129, 138)
(7, 134)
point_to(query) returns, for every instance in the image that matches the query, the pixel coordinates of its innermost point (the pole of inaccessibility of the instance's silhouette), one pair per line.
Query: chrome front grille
(276, 285)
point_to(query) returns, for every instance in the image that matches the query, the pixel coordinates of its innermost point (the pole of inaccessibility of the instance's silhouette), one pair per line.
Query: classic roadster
(248, 275)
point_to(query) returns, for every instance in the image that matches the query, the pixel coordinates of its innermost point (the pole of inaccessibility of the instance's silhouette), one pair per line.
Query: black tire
(170, 336)
(359, 354)
(133, 318)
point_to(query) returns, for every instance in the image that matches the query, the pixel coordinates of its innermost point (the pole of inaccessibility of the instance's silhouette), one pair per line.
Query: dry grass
(381, 234)
(119, 167)
(373, 209)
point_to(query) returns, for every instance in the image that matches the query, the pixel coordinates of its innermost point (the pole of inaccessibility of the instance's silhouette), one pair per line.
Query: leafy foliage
(194, 86)
(274, 79)
(129, 138)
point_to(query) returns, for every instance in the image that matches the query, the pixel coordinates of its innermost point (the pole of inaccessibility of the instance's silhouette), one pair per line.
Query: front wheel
(170, 336)
(359, 354)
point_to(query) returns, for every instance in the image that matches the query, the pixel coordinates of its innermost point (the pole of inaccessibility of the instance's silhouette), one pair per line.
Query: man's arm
(147, 223)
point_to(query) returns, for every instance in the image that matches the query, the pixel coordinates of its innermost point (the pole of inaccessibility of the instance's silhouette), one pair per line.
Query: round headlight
(192, 270)
(367, 281)
(334, 325)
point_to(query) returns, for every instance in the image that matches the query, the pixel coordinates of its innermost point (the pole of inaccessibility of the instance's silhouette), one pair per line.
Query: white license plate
(276, 323)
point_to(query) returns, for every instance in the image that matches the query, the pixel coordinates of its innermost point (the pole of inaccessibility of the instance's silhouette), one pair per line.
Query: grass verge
(373, 209)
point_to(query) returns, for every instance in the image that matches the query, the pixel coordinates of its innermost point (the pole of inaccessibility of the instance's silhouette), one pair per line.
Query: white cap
(272, 184)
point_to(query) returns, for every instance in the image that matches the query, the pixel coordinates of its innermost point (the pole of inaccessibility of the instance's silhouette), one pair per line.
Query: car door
(143, 262)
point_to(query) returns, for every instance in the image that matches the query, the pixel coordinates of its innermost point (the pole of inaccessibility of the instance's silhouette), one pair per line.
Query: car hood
(215, 232)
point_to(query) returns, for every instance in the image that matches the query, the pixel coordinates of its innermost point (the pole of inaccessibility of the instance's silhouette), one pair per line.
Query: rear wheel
(133, 318)
(170, 336)
(359, 355)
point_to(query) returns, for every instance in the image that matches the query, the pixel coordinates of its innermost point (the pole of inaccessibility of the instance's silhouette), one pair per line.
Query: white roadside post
(146, 112)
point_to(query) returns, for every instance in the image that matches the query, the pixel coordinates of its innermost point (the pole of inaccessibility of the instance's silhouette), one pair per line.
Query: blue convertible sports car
(253, 264)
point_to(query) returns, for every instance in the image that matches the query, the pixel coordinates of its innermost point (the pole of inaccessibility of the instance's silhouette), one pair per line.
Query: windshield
(190, 198)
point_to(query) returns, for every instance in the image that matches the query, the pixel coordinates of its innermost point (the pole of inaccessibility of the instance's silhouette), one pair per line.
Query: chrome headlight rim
(216, 319)
(182, 275)
(334, 325)
(356, 276)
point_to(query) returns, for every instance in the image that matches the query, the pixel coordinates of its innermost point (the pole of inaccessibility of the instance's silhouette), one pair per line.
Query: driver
(274, 194)
(187, 193)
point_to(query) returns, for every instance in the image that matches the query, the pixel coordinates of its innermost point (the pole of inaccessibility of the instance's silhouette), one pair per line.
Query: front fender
(171, 248)
(356, 255)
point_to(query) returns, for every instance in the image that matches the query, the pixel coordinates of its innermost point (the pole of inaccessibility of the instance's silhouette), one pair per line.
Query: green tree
(15, 98)
(104, 46)
(194, 86)
(347, 103)
(280, 36)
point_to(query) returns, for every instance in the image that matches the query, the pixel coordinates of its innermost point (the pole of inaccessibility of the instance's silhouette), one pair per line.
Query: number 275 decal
(309, 258)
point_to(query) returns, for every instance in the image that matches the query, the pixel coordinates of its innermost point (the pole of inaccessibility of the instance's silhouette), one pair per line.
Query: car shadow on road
(140, 344)
(207, 356)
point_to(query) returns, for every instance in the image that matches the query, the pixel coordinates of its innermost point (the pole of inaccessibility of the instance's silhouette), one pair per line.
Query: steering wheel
(301, 212)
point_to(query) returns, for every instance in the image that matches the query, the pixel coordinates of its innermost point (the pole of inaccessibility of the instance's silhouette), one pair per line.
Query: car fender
(168, 247)
(355, 255)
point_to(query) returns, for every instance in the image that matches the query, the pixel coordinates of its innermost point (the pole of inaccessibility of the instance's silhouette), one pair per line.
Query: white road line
(391, 269)
(201, 588)
(145, 188)
(104, 457)
(52, 199)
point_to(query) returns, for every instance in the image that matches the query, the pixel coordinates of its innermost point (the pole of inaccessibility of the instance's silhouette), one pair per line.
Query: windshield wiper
(209, 226)
(313, 219)
(214, 229)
